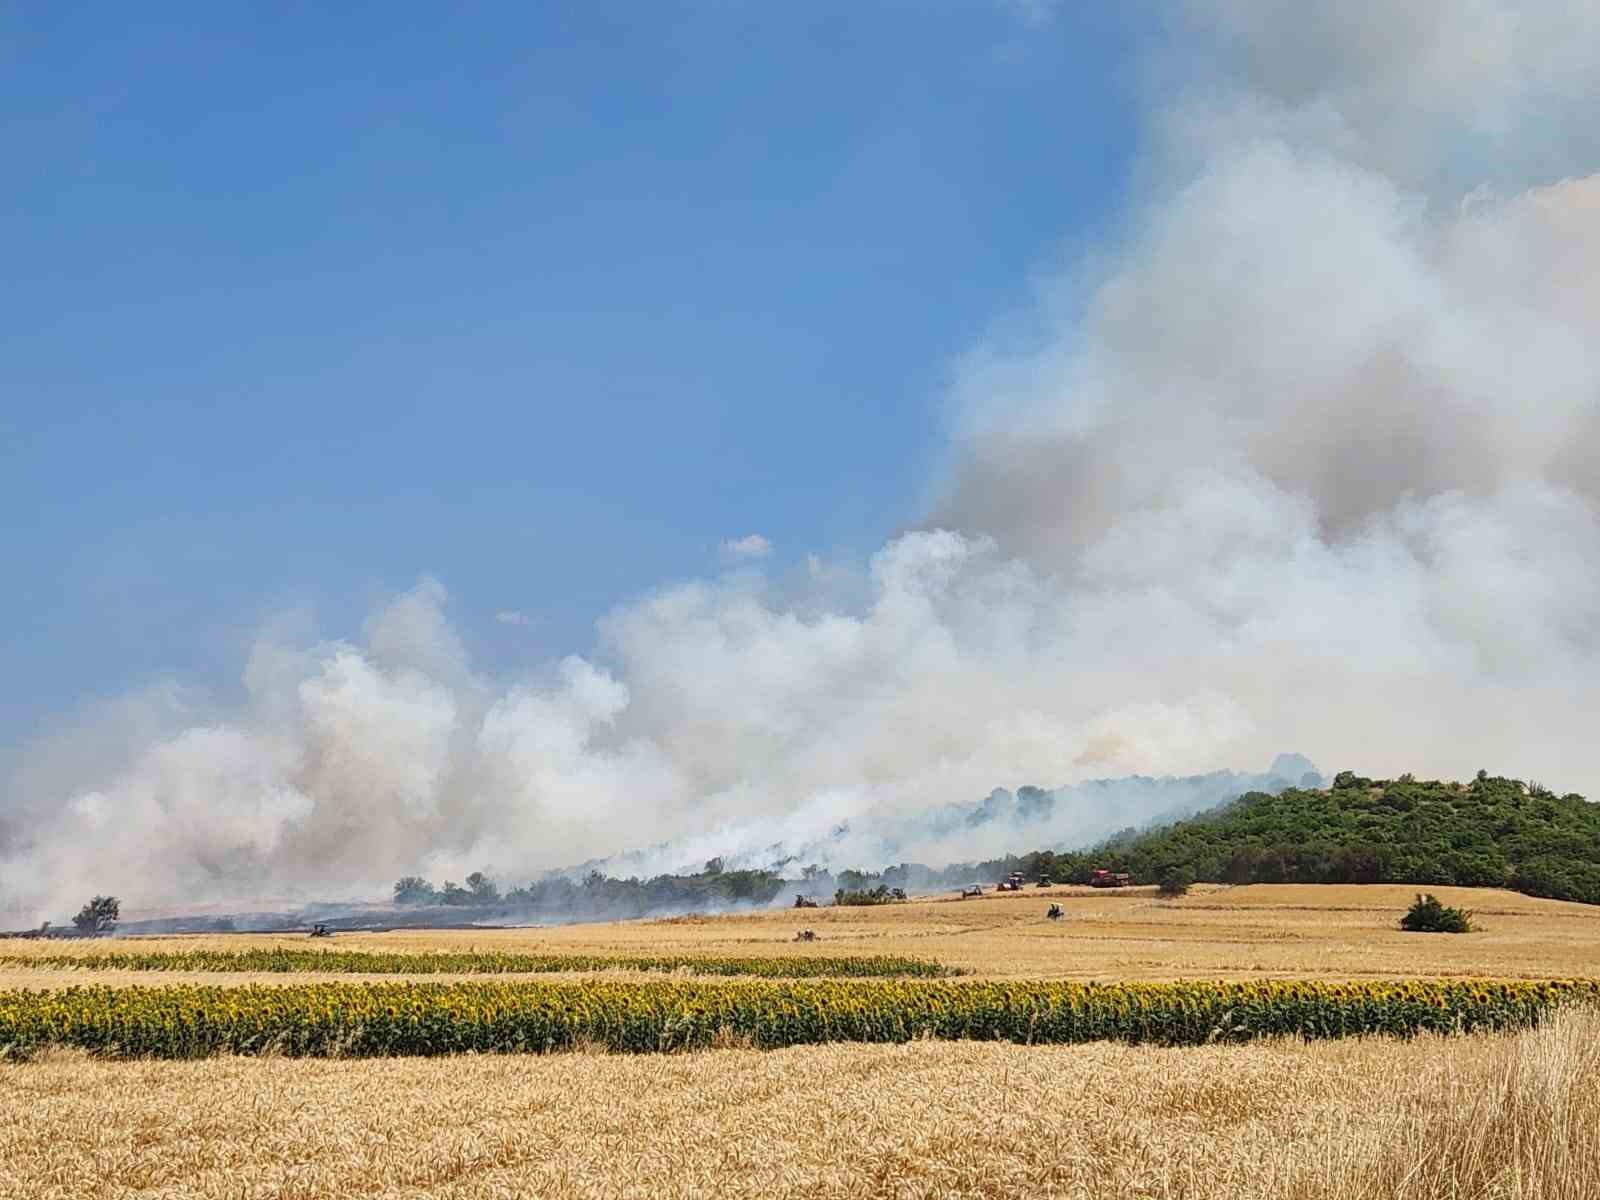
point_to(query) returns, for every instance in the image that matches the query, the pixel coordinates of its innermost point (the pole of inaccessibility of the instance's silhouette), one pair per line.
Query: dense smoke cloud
(964, 832)
(1306, 460)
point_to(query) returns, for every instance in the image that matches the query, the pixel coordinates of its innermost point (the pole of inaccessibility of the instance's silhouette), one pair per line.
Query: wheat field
(1265, 931)
(1481, 1116)
(1462, 1117)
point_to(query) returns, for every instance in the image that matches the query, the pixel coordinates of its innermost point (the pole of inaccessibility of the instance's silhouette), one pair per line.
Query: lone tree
(483, 888)
(1428, 915)
(99, 915)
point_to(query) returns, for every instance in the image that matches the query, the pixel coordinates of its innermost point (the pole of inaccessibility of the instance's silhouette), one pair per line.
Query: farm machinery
(802, 901)
(975, 890)
(1011, 883)
(1110, 879)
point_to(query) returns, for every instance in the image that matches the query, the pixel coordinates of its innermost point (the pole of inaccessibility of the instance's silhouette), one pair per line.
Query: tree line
(598, 894)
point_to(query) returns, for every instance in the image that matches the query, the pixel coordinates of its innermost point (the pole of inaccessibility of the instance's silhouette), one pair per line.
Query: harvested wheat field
(1480, 1116)
(1265, 931)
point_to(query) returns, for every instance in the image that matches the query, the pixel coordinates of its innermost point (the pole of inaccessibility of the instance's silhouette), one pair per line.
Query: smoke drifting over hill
(1001, 823)
(1307, 458)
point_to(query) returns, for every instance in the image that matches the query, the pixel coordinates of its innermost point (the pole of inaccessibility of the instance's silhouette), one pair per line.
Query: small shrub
(1428, 915)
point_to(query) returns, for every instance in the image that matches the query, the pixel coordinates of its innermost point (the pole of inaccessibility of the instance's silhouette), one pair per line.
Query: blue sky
(544, 301)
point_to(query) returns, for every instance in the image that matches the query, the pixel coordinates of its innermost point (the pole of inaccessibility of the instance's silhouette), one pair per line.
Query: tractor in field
(1110, 879)
(1056, 912)
(321, 931)
(1011, 883)
(975, 890)
(1045, 882)
(801, 901)
(898, 894)
(806, 935)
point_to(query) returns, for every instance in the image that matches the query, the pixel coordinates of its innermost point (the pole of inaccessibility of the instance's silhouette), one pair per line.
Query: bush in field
(1175, 881)
(1428, 915)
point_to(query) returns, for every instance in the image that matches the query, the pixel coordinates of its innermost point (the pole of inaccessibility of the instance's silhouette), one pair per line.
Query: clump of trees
(598, 894)
(99, 915)
(1429, 915)
(413, 889)
(479, 891)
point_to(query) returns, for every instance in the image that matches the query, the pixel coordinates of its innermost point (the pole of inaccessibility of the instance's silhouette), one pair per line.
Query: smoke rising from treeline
(1304, 457)
(991, 827)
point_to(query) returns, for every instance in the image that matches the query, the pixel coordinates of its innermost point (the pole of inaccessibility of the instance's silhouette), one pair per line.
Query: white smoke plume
(968, 831)
(1305, 459)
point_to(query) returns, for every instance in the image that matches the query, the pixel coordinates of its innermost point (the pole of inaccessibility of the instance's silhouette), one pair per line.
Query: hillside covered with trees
(1492, 832)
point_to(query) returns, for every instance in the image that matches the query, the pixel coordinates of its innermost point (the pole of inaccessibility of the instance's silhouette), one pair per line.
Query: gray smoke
(965, 831)
(1305, 457)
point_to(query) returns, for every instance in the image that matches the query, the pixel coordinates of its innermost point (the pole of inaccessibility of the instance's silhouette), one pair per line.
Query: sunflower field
(472, 962)
(370, 1019)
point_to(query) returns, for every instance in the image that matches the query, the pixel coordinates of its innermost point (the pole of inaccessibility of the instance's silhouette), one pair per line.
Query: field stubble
(1478, 1116)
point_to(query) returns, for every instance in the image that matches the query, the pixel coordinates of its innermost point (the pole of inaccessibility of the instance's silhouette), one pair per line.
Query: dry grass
(1467, 1117)
(1264, 931)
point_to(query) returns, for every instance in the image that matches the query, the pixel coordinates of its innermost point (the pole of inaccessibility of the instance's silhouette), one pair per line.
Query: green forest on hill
(1492, 832)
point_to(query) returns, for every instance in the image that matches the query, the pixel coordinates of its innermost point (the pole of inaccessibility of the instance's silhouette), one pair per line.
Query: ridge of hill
(1491, 832)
